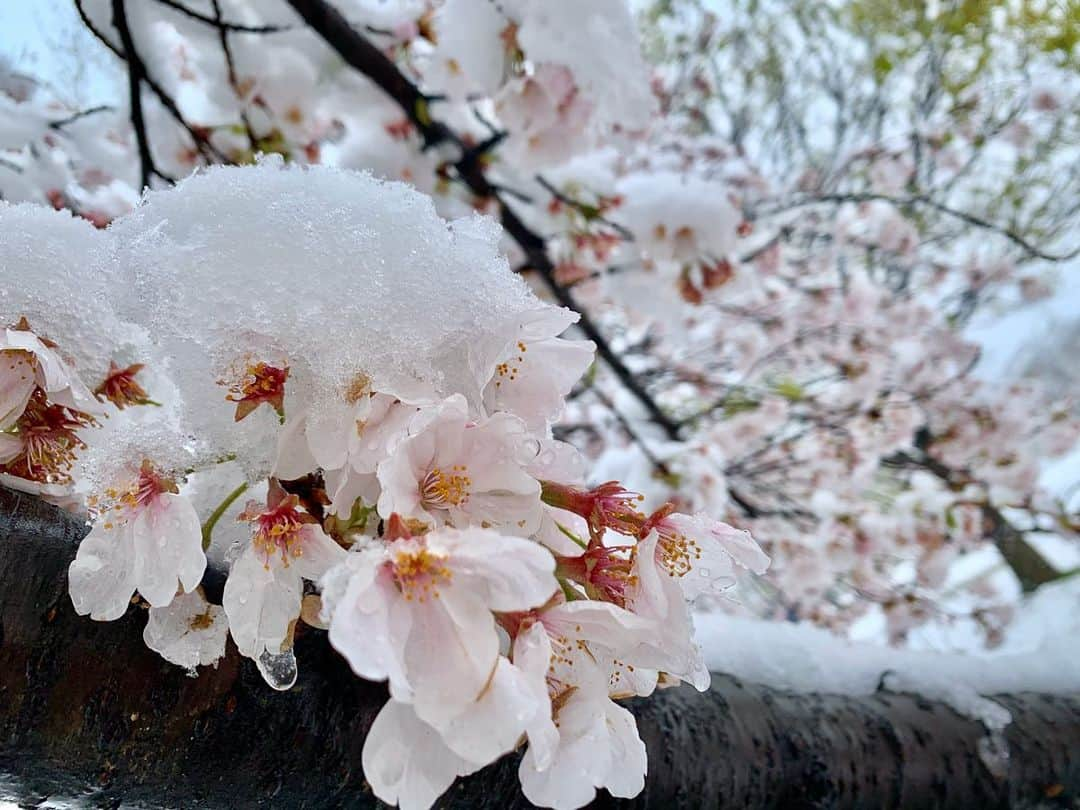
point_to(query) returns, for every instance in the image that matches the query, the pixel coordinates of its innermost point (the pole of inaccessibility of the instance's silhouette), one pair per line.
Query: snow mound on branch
(1038, 655)
(335, 274)
(55, 274)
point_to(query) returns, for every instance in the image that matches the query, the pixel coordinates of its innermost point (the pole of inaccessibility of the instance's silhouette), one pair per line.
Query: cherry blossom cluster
(432, 526)
(786, 256)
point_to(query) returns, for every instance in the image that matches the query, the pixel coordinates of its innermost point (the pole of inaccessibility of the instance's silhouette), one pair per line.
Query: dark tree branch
(63, 122)
(1031, 569)
(89, 709)
(361, 54)
(199, 138)
(221, 24)
(134, 71)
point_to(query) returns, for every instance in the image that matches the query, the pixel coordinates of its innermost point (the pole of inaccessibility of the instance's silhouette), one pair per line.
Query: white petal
(406, 762)
(168, 548)
(327, 433)
(261, 603)
(580, 764)
(368, 619)
(101, 579)
(190, 632)
(16, 386)
(319, 554)
(629, 761)
(532, 655)
(294, 458)
(451, 653)
(492, 725)
(507, 573)
(720, 546)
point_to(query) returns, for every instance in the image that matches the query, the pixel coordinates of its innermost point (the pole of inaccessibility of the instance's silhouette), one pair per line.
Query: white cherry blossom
(189, 632)
(537, 370)
(26, 361)
(452, 470)
(264, 590)
(417, 611)
(147, 539)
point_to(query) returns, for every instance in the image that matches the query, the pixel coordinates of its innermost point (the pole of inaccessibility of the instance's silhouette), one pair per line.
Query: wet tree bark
(85, 706)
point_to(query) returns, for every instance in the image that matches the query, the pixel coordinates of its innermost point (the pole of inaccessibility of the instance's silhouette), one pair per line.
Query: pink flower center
(279, 531)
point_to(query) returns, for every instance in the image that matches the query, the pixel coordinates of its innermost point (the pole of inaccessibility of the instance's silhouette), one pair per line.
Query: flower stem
(208, 527)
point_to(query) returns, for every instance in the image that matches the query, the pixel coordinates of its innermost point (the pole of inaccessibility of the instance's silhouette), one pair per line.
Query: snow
(1038, 654)
(348, 276)
(55, 276)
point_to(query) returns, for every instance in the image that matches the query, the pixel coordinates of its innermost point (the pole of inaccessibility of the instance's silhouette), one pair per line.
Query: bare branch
(365, 57)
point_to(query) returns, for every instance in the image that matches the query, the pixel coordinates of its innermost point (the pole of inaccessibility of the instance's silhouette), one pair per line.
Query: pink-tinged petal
(719, 545)
(261, 603)
(54, 375)
(629, 761)
(533, 382)
(599, 747)
(368, 620)
(345, 486)
(507, 573)
(327, 433)
(492, 725)
(168, 548)
(601, 622)
(450, 654)
(318, 553)
(532, 655)
(658, 597)
(406, 762)
(10, 447)
(101, 579)
(400, 488)
(16, 386)
(580, 764)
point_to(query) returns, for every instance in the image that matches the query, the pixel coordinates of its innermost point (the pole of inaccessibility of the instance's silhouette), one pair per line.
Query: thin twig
(361, 54)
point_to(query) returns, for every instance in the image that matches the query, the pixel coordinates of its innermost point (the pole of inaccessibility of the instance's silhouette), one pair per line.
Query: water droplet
(278, 669)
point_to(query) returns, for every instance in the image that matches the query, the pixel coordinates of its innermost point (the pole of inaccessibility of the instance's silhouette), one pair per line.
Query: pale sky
(45, 39)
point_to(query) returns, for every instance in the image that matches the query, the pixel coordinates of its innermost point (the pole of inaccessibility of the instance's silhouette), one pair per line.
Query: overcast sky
(45, 39)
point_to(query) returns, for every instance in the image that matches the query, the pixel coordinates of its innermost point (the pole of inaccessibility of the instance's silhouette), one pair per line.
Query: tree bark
(85, 706)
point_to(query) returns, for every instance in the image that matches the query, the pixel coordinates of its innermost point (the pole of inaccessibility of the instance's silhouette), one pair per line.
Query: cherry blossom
(265, 586)
(538, 369)
(146, 538)
(453, 470)
(417, 611)
(189, 632)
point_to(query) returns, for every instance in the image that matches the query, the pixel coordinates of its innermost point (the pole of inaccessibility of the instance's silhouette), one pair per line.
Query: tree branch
(134, 71)
(1024, 560)
(361, 54)
(900, 202)
(88, 704)
(221, 24)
